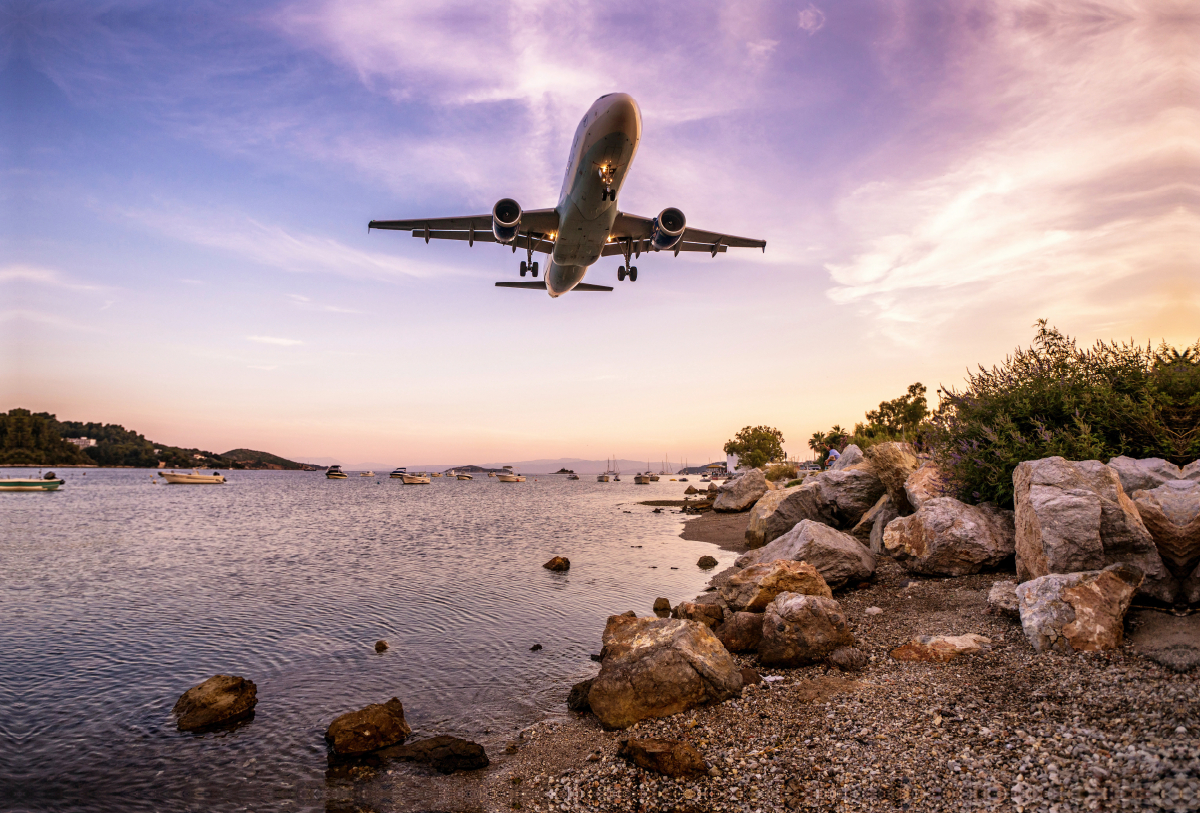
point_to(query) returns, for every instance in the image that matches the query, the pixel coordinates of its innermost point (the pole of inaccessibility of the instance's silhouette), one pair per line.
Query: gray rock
(893, 464)
(742, 493)
(1077, 611)
(1002, 599)
(217, 701)
(799, 630)
(761, 513)
(1075, 516)
(837, 556)
(659, 667)
(1171, 513)
(1150, 473)
(838, 499)
(950, 538)
(926, 483)
(851, 456)
(874, 521)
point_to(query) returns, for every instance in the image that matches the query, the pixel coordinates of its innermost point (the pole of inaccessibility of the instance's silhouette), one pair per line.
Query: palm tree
(817, 443)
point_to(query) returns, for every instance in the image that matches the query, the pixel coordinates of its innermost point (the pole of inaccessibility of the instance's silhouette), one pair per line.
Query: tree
(756, 446)
(29, 439)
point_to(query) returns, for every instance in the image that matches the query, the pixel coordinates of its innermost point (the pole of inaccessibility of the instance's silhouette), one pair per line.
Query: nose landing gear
(607, 173)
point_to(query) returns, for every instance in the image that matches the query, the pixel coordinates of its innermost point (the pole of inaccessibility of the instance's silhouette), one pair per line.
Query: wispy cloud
(811, 19)
(275, 340)
(48, 277)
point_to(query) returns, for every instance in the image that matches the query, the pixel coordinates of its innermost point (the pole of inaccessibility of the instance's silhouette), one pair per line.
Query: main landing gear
(631, 273)
(531, 267)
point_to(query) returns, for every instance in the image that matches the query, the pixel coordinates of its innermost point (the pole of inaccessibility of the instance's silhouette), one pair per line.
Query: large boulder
(850, 456)
(872, 524)
(740, 494)
(668, 757)
(444, 753)
(893, 463)
(761, 513)
(659, 667)
(219, 700)
(741, 632)
(798, 630)
(753, 588)
(1171, 513)
(926, 483)
(1151, 472)
(950, 538)
(837, 498)
(1075, 516)
(837, 556)
(368, 729)
(1077, 611)
(709, 614)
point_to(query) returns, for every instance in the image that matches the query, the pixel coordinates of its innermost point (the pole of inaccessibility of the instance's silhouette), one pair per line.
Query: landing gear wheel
(534, 269)
(524, 268)
(621, 274)
(633, 274)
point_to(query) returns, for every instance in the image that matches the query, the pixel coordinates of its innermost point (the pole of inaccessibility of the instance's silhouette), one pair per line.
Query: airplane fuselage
(601, 154)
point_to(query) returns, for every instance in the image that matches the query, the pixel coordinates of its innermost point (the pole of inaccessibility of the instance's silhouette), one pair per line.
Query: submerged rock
(368, 729)
(950, 538)
(219, 700)
(798, 630)
(662, 607)
(381, 645)
(941, 648)
(753, 588)
(558, 564)
(667, 757)
(740, 494)
(1071, 612)
(659, 667)
(706, 562)
(837, 556)
(444, 754)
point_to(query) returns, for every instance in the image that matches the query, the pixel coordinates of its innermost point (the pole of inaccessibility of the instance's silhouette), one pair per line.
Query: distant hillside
(251, 459)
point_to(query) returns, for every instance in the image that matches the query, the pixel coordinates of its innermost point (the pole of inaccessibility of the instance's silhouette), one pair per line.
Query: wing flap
(617, 250)
(637, 227)
(541, 221)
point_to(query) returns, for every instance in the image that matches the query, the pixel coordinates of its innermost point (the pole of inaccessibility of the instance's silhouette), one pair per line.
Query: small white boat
(462, 476)
(415, 479)
(335, 473)
(366, 474)
(641, 479)
(192, 478)
(509, 477)
(602, 478)
(572, 476)
(47, 483)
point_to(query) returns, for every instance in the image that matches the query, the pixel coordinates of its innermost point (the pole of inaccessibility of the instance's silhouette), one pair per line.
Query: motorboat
(510, 478)
(366, 474)
(491, 474)
(653, 478)
(436, 474)
(641, 479)
(705, 480)
(398, 473)
(415, 479)
(572, 476)
(48, 482)
(462, 476)
(194, 477)
(335, 473)
(602, 478)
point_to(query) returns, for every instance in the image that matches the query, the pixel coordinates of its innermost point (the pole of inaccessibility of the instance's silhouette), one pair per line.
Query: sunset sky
(186, 187)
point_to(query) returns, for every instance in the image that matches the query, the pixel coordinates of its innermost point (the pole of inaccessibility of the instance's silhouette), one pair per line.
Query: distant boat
(436, 474)
(462, 476)
(335, 473)
(641, 479)
(415, 479)
(572, 476)
(510, 477)
(366, 474)
(398, 473)
(47, 483)
(602, 478)
(192, 478)
(491, 474)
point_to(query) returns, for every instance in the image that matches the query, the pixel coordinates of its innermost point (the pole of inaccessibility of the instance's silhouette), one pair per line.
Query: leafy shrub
(1058, 399)
(780, 471)
(791, 483)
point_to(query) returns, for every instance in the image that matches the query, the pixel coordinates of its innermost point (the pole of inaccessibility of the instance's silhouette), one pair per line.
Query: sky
(185, 188)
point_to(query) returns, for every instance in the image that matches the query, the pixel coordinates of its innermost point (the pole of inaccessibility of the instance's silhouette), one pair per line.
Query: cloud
(811, 19)
(42, 276)
(275, 341)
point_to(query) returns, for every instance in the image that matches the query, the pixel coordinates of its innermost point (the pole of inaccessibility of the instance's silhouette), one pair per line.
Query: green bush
(791, 483)
(780, 471)
(1058, 399)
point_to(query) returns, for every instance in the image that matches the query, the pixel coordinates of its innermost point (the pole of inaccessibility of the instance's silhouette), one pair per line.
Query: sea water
(117, 594)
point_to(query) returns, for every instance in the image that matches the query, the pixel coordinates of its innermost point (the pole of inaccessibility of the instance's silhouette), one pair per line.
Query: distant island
(40, 439)
(473, 469)
(564, 471)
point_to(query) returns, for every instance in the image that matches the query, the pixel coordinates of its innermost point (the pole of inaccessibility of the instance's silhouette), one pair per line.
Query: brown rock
(577, 699)
(1171, 513)
(219, 700)
(849, 659)
(368, 729)
(940, 648)
(926, 483)
(753, 588)
(558, 564)
(668, 757)
(691, 490)
(837, 556)
(381, 646)
(869, 530)
(1002, 599)
(1078, 611)
(706, 562)
(662, 607)
(710, 615)
(750, 677)
(950, 538)
(444, 753)
(742, 632)
(894, 463)
(659, 667)
(798, 630)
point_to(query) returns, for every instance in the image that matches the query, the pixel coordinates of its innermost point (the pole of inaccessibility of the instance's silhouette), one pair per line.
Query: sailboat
(616, 473)
(603, 478)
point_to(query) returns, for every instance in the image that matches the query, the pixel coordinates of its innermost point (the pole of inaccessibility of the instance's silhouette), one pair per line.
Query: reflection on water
(116, 595)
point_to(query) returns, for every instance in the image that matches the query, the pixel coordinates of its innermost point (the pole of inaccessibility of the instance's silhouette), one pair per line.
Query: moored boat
(462, 476)
(510, 477)
(572, 476)
(415, 479)
(641, 479)
(366, 474)
(48, 482)
(194, 477)
(335, 473)
(398, 473)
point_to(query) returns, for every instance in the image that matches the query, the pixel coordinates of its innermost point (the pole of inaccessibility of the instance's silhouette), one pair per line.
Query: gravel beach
(1003, 729)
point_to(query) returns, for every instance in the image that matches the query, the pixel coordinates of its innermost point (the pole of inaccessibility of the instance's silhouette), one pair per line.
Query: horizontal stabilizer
(583, 286)
(540, 285)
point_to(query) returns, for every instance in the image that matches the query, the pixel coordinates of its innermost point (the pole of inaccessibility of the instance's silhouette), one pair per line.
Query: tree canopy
(28, 439)
(756, 446)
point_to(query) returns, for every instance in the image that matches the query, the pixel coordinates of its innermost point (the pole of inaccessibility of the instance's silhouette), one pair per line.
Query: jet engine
(667, 229)
(506, 219)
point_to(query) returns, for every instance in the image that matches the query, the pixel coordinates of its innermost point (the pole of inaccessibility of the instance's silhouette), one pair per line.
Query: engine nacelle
(506, 219)
(667, 229)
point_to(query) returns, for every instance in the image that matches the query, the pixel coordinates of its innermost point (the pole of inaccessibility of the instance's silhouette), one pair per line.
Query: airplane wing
(638, 229)
(535, 226)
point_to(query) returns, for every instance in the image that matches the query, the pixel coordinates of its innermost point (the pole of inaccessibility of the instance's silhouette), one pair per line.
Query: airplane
(586, 225)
